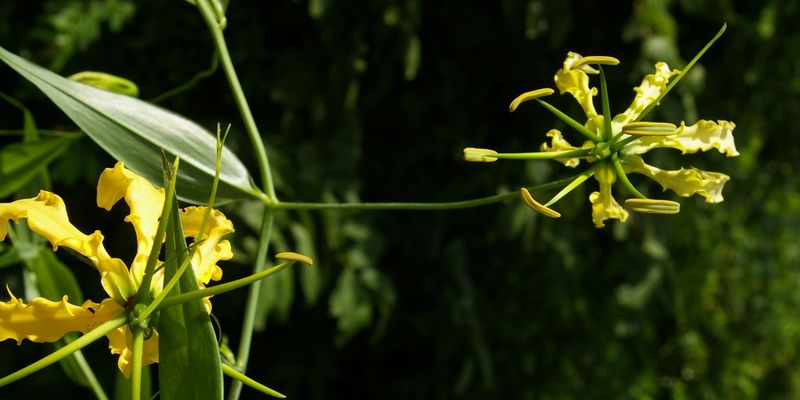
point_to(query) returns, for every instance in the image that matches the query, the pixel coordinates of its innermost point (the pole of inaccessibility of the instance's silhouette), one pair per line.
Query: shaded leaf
(20, 163)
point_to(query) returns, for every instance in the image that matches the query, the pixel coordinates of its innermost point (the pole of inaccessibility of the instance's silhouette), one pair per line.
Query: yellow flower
(43, 320)
(615, 145)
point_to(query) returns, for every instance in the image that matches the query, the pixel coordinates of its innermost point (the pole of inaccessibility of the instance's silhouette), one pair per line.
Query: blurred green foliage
(375, 102)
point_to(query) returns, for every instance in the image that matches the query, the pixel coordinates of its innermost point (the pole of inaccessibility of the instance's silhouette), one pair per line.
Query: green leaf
(53, 278)
(20, 162)
(189, 362)
(135, 131)
(9, 256)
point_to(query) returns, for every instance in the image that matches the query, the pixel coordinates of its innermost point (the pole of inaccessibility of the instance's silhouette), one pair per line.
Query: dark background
(374, 101)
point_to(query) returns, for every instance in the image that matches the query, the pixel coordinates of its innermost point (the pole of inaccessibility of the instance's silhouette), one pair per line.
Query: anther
(533, 94)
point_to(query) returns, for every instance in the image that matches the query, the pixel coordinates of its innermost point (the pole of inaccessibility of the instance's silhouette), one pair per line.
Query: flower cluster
(614, 146)
(43, 320)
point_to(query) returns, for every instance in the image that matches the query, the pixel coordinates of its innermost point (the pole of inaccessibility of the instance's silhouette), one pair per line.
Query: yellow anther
(602, 60)
(649, 129)
(653, 206)
(292, 256)
(533, 94)
(479, 155)
(532, 203)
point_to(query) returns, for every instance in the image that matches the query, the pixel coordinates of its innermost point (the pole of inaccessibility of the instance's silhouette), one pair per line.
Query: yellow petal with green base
(604, 206)
(211, 249)
(120, 341)
(46, 215)
(46, 321)
(558, 143)
(685, 181)
(575, 81)
(145, 203)
(648, 92)
(702, 136)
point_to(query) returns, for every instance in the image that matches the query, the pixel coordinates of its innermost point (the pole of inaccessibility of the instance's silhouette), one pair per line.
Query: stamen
(602, 60)
(534, 94)
(649, 129)
(532, 203)
(292, 256)
(653, 206)
(475, 154)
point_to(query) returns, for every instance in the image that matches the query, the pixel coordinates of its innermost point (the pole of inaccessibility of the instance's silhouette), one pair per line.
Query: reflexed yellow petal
(534, 94)
(47, 216)
(646, 93)
(685, 181)
(145, 203)
(702, 136)
(47, 321)
(475, 154)
(558, 143)
(604, 206)
(212, 249)
(120, 341)
(576, 82)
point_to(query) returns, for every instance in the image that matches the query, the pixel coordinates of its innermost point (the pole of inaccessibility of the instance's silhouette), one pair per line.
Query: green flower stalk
(614, 146)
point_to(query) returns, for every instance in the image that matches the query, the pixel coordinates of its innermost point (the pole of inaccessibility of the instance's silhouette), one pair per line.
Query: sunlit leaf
(189, 362)
(135, 132)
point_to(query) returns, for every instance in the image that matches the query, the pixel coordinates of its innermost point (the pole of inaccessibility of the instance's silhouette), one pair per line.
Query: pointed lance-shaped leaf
(135, 131)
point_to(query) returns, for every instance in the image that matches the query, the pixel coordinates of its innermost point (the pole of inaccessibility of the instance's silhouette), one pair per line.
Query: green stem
(222, 288)
(571, 122)
(73, 346)
(572, 185)
(210, 17)
(542, 155)
(624, 178)
(253, 294)
(416, 206)
(618, 145)
(240, 377)
(188, 85)
(173, 281)
(607, 134)
(88, 373)
(197, 240)
(143, 294)
(136, 364)
(683, 72)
